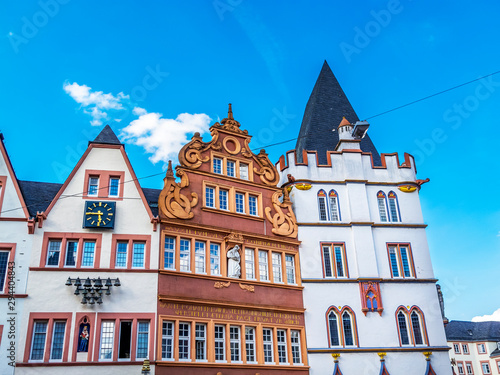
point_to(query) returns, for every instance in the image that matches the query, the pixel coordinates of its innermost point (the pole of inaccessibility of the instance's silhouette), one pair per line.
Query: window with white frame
(138, 255)
(250, 344)
(334, 260)
(217, 165)
(322, 206)
(185, 254)
(460, 367)
(142, 339)
(295, 344)
(481, 348)
(267, 339)
(240, 203)
(465, 348)
(485, 366)
(400, 259)
(333, 203)
(456, 348)
(184, 340)
(53, 253)
(169, 253)
(328, 206)
(114, 183)
(290, 268)
(201, 341)
(71, 249)
(230, 168)
(107, 338)
(210, 196)
(38, 340)
(223, 199)
(167, 341)
(219, 343)
(252, 205)
(470, 370)
(263, 266)
(244, 171)
(250, 263)
(93, 186)
(214, 259)
(235, 343)
(199, 256)
(88, 254)
(282, 346)
(57, 347)
(226, 198)
(410, 320)
(121, 254)
(277, 276)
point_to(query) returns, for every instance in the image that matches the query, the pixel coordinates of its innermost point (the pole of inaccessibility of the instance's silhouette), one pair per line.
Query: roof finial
(230, 112)
(170, 172)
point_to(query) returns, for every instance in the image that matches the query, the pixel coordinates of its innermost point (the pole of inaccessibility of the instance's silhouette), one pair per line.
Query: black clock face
(99, 214)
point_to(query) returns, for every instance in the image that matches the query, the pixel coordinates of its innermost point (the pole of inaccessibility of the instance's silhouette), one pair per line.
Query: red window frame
(131, 239)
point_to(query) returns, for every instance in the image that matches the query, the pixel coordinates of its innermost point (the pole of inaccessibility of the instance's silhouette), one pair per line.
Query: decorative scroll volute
(284, 224)
(171, 202)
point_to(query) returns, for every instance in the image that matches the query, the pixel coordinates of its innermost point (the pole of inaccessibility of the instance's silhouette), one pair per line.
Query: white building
(369, 289)
(93, 272)
(475, 347)
(16, 234)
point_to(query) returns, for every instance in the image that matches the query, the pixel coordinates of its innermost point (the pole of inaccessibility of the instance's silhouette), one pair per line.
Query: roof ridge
(107, 136)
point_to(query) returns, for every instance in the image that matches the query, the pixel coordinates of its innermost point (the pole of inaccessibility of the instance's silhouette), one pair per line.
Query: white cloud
(95, 102)
(163, 137)
(486, 318)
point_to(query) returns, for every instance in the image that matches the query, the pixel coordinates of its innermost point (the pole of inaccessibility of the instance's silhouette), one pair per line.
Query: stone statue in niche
(83, 340)
(233, 263)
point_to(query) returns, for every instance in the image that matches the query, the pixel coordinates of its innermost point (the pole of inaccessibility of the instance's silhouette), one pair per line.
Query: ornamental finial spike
(230, 112)
(170, 172)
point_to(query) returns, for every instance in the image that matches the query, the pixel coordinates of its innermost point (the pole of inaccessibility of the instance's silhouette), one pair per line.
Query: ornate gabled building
(93, 270)
(369, 289)
(229, 292)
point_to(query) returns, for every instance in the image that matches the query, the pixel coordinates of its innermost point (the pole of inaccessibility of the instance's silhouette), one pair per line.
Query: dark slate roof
(107, 136)
(472, 331)
(324, 111)
(495, 353)
(38, 195)
(152, 199)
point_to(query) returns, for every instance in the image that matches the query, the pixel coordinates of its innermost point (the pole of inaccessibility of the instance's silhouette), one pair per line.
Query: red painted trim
(1, 333)
(410, 260)
(485, 348)
(332, 256)
(340, 324)
(463, 368)
(482, 370)
(130, 239)
(3, 183)
(3, 151)
(11, 248)
(103, 187)
(459, 348)
(64, 237)
(50, 317)
(117, 318)
(409, 325)
(78, 320)
(468, 349)
(73, 269)
(471, 367)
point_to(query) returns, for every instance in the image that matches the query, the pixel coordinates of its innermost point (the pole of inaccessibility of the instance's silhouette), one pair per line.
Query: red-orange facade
(229, 293)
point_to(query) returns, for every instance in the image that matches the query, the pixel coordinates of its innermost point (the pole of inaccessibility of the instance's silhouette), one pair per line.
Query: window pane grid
(93, 185)
(252, 205)
(200, 342)
(169, 251)
(263, 269)
(113, 186)
(138, 255)
(88, 254)
(210, 197)
(230, 168)
(290, 269)
(217, 165)
(234, 341)
(244, 171)
(142, 339)
(121, 254)
(267, 338)
(322, 209)
(403, 330)
(282, 348)
(295, 341)
(53, 253)
(219, 343)
(199, 256)
(328, 261)
(240, 203)
(393, 209)
(38, 344)
(334, 211)
(394, 262)
(214, 259)
(184, 254)
(107, 333)
(338, 261)
(58, 340)
(404, 259)
(277, 277)
(348, 334)
(167, 340)
(223, 199)
(4, 259)
(417, 333)
(250, 263)
(250, 343)
(184, 340)
(71, 248)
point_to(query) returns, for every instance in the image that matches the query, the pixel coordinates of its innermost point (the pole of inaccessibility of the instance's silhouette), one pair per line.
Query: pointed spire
(344, 122)
(230, 112)
(107, 136)
(326, 108)
(229, 123)
(170, 171)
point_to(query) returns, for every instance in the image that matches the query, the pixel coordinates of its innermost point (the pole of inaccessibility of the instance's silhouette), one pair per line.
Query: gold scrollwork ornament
(284, 224)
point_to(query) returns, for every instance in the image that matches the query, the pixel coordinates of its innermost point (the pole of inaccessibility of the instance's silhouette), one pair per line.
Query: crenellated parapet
(348, 165)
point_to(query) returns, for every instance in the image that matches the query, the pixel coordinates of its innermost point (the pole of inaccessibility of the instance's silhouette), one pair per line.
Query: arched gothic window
(341, 327)
(333, 202)
(382, 206)
(411, 326)
(322, 206)
(394, 207)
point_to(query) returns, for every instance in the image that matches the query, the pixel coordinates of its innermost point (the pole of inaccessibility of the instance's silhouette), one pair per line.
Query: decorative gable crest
(171, 202)
(229, 139)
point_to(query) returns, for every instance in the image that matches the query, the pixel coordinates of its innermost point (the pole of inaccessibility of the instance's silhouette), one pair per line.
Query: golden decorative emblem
(171, 202)
(303, 186)
(284, 224)
(407, 188)
(250, 288)
(220, 284)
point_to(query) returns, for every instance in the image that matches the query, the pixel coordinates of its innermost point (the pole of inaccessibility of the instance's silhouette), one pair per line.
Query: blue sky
(139, 65)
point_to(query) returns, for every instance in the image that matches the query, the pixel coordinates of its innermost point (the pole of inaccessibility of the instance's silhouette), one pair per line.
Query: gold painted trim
(377, 350)
(406, 280)
(272, 308)
(240, 366)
